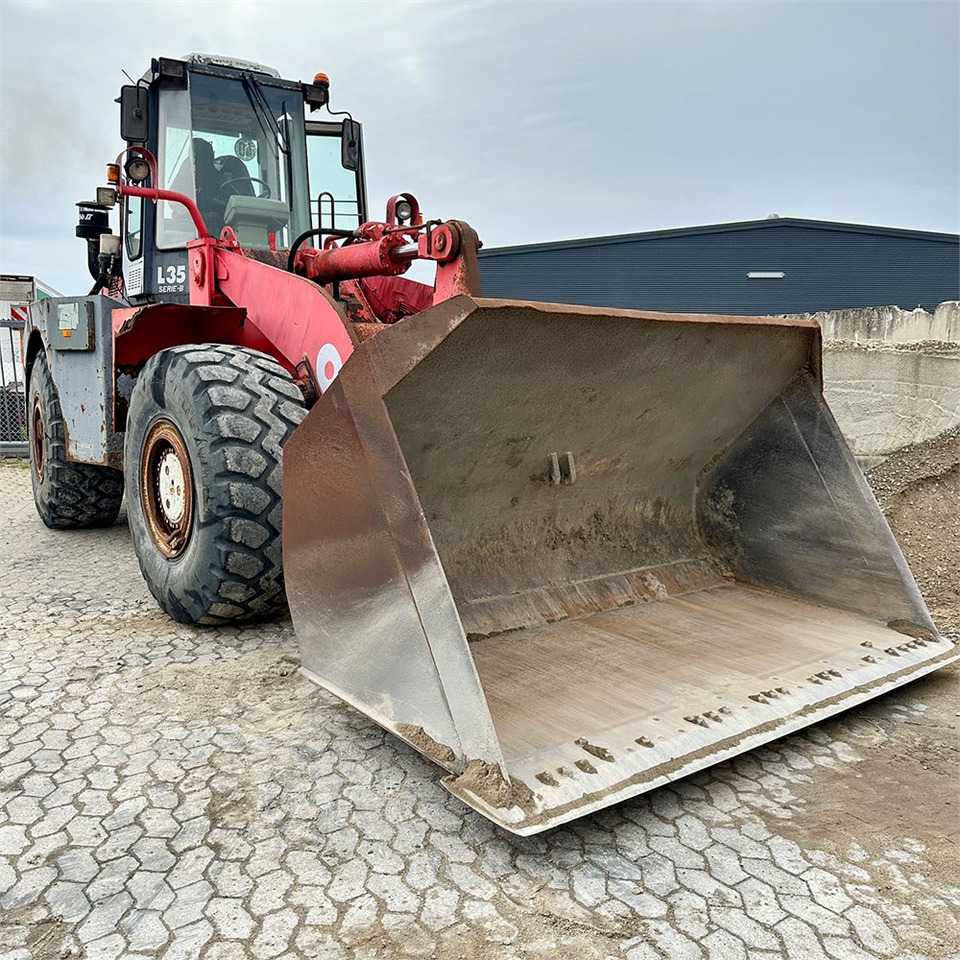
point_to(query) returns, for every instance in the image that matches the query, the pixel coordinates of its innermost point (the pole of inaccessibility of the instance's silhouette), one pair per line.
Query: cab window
(336, 194)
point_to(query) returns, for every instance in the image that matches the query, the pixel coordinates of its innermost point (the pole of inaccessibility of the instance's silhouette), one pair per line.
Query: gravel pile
(919, 491)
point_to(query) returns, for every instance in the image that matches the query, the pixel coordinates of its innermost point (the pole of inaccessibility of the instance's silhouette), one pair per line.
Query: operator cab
(232, 135)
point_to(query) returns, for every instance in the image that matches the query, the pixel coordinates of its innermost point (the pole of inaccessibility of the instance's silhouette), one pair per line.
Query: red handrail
(151, 193)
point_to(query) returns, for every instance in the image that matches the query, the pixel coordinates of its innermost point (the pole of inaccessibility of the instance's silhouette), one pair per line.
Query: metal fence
(13, 399)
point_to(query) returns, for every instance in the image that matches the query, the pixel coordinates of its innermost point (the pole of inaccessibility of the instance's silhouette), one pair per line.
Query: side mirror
(350, 145)
(133, 113)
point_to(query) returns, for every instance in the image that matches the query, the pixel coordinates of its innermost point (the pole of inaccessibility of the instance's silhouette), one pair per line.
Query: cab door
(338, 194)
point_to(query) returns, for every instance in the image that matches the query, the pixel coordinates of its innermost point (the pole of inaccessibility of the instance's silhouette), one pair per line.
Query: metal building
(755, 267)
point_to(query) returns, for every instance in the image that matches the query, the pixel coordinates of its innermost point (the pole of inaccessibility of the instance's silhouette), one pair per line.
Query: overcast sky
(531, 120)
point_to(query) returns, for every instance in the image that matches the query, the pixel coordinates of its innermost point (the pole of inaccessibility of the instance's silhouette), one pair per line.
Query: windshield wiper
(255, 94)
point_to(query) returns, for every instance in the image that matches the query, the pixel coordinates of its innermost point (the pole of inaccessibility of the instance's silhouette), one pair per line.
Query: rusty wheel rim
(166, 488)
(38, 440)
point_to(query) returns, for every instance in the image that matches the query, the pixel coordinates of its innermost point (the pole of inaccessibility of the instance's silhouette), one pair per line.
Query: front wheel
(203, 470)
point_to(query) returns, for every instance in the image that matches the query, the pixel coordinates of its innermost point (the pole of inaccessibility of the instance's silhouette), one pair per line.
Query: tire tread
(72, 495)
(249, 406)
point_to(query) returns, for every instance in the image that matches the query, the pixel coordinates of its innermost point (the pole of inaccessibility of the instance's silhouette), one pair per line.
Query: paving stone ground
(174, 792)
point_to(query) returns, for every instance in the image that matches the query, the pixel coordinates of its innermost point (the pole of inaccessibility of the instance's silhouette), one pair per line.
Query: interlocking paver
(186, 943)
(104, 918)
(144, 930)
(230, 917)
(181, 792)
(873, 933)
(820, 918)
(150, 890)
(659, 874)
(760, 902)
(29, 887)
(751, 934)
(110, 947)
(188, 906)
(23, 810)
(472, 884)
(439, 908)
(348, 881)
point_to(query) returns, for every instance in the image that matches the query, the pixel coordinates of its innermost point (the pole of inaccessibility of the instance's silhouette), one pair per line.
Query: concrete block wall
(892, 325)
(891, 376)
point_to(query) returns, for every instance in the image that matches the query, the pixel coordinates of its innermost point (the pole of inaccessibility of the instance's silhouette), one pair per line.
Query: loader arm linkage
(312, 332)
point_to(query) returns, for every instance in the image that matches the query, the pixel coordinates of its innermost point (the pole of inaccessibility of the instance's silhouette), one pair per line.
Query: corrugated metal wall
(690, 271)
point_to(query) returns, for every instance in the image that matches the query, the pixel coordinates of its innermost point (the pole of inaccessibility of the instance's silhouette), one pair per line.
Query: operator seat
(209, 180)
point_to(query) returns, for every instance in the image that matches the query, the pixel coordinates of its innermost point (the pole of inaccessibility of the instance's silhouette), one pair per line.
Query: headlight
(137, 169)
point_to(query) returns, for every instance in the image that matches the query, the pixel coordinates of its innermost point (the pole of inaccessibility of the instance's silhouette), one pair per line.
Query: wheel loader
(570, 554)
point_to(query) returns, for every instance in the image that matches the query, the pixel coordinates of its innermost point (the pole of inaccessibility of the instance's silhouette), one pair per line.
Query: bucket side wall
(787, 508)
(374, 617)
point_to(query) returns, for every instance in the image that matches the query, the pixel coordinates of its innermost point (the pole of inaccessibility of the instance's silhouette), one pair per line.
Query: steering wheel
(264, 193)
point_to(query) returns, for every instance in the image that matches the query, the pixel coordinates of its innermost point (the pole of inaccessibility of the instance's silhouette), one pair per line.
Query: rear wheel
(67, 494)
(203, 471)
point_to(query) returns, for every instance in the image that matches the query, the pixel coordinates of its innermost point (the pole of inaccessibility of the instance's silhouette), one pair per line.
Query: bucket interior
(642, 408)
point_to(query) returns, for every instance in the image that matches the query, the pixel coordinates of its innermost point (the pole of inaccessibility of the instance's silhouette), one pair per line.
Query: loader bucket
(572, 554)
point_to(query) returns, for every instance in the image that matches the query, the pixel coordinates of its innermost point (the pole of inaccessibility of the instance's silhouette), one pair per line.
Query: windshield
(237, 148)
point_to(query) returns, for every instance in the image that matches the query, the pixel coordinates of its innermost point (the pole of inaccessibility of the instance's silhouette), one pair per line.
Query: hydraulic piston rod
(385, 255)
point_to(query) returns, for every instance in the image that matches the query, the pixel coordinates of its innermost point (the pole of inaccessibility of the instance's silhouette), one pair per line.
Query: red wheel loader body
(570, 554)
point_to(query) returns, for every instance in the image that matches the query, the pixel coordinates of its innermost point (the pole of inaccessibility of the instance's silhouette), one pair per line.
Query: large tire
(67, 494)
(203, 470)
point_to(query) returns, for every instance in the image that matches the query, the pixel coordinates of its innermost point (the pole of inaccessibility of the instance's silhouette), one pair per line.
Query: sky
(530, 119)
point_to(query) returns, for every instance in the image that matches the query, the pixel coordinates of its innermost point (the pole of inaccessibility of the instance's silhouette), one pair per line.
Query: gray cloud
(534, 121)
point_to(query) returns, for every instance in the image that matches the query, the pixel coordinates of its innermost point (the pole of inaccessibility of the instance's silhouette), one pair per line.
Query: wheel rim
(38, 440)
(166, 488)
